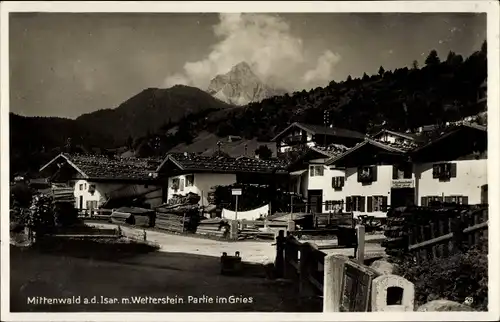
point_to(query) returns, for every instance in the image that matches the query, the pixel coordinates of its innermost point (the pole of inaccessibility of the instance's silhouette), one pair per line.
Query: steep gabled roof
(451, 130)
(109, 168)
(398, 148)
(409, 136)
(199, 163)
(321, 130)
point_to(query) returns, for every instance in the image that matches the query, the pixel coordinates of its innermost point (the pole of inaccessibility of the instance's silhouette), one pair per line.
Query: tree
(450, 59)
(432, 59)
(263, 152)
(130, 142)
(381, 71)
(414, 65)
(349, 78)
(366, 77)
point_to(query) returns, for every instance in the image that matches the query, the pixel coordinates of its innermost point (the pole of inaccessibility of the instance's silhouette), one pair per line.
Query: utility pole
(326, 119)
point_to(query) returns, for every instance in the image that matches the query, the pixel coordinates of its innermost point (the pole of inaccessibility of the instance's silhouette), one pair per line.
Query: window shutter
(435, 171)
(311, 171)
(374, 173)
(320, 170)
(453, 170)
(342, 181)
(395, 172)
(362, 204)
(384, 203)
(348, 204)
(369, 205)
(423, 201)
(334, 179)
(360, 170)
(465, 200)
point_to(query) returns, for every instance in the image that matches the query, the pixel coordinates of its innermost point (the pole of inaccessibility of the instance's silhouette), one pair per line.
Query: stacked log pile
(216, 227)
(406, 225)
(63, 200)
(180, 214)
(133, 216)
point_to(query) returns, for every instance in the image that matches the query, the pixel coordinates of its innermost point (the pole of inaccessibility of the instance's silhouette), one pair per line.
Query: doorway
(81, 202)
(484, 194)
(315, 201)
(402, 197)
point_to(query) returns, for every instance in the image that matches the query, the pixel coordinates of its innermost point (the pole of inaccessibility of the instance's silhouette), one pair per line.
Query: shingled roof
(322, 130)
(198, 163)
(400, 148)
(330, 150)
(110, 168)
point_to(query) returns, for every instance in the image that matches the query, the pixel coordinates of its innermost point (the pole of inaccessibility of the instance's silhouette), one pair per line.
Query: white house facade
(377, 176)
(92, 195)
(454, 167)
(201, 184)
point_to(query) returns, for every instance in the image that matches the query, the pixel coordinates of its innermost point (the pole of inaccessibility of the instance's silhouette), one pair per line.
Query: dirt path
(180, 279)
(251, 251)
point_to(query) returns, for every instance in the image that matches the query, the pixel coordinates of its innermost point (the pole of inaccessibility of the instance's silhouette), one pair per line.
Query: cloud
(324, 69)
(265, 42)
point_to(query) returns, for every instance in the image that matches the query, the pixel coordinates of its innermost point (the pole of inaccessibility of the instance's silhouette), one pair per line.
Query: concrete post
(360, 235)
(332, 282)
(233, 229)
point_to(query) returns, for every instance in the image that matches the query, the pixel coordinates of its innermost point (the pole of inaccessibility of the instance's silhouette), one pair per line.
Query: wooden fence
(306, 260)
(345, 285)
(95, 214)
(445, 234)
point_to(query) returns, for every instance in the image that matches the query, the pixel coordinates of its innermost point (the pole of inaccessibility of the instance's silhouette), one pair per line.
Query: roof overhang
(366, 142)
(295, 124)
(61, 155)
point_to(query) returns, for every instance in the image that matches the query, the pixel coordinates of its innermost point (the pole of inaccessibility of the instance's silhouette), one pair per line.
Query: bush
(453, 278)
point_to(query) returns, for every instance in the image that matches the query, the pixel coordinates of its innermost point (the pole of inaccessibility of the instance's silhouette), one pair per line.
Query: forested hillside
(155, 121)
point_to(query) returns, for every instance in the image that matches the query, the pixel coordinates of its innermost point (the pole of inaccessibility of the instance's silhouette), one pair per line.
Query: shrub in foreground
(453, 278)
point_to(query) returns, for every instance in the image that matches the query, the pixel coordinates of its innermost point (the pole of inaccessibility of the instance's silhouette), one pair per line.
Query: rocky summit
(240, 86)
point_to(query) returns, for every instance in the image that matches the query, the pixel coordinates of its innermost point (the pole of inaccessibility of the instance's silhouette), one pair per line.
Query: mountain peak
(242, 66)
(240, 86)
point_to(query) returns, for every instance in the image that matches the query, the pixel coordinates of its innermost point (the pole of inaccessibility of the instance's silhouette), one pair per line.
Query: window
(376, 203)
(338, 182)
(92, 189)
(355, 203)
(181, 185)
(316, 171)
(402, 171)
(334, 205)
(84, 186)
(189, 180)
(367, 174)
(91, 204)
(175, 184)
(443, 171)
(428, 201)
(81, 186)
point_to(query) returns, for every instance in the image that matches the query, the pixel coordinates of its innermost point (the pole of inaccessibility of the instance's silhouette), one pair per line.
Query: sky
(68, 64)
